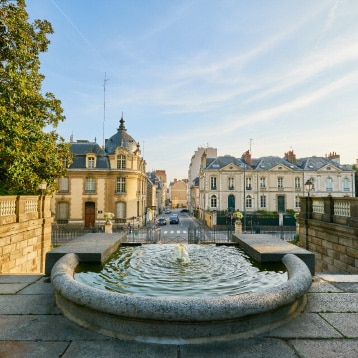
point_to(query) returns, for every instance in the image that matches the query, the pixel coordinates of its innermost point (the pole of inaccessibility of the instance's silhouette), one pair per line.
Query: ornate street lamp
(43, 187)
(308, 186)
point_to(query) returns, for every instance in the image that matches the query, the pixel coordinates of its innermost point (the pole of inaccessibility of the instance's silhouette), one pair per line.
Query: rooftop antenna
(104, 101)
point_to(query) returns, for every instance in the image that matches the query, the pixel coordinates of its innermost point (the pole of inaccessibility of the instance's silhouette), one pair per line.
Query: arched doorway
(90, 214)
(231, 203)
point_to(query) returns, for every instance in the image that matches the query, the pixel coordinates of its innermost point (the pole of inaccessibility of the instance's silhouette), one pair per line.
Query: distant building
(269, 183)
(99, 181)
(178, 191)
(193, 175)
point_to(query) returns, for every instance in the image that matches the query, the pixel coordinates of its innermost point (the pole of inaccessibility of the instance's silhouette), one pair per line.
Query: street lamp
(308, 186)
(43, 187)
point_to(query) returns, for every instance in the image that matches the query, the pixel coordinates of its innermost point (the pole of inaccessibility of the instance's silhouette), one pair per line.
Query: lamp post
(43, 187)
(308, 186)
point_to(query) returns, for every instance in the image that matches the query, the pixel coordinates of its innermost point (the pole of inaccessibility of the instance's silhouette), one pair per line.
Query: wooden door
(90, 214)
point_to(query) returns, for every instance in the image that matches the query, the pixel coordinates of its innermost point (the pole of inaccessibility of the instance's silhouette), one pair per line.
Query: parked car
(167, 211)
(174, 219)
(184, 210)
(162, 221)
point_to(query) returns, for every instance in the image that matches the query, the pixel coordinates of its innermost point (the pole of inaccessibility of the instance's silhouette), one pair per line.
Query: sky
(266, 75)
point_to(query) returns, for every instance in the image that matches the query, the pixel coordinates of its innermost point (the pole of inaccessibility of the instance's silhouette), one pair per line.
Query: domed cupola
(121, 139)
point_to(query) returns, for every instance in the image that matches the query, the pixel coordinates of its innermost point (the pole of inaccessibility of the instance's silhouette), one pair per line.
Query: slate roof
(80, 149)
(316, 163)
(221, 162)
(269, 162)
(121, 139)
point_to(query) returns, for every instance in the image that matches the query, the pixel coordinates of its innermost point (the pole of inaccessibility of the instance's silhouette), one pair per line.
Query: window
(62, 213)
(329, 184)
(262, 182)
(297, 201)
(121, 185)
(280, 182)
(121, 162)
(263, 201)
(90, 186)
(213, 201)
(121, 212)
(346, 184)
(248, 201)
(63, 185)
(231, 183)
(213, 183)
(248, 183)
(91, 162)
(297, 183)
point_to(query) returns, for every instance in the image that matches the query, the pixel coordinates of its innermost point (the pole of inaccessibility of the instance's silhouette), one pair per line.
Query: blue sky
(274, 74)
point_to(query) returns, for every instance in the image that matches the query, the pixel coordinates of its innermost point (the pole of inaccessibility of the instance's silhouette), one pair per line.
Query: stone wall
(329, 228)
(25, 233)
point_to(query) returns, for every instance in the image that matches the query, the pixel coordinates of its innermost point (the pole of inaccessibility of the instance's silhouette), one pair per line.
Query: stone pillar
(238, 227)
(108, 227)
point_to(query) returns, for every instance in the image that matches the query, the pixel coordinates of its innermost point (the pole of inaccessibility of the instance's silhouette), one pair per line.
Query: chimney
(291, 157)
(334, 157)
(246, 156)
(203, 160)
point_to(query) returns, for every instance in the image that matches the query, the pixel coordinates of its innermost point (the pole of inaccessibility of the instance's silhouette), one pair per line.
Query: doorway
(90, 214)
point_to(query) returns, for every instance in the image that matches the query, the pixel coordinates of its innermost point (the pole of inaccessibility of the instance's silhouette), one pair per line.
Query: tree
(31, 151)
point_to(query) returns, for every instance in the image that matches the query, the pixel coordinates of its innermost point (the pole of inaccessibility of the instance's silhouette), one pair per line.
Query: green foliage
(28, 153)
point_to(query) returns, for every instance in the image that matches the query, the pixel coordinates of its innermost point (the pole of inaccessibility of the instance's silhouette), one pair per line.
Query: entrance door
(281, 203)
(89, 214)
(231, 203)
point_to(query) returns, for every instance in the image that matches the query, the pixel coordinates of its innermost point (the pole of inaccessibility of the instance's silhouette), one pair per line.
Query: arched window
(249, 201)
(213, 201)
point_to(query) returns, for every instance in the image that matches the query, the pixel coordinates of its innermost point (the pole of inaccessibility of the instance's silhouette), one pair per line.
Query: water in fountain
(207, 271)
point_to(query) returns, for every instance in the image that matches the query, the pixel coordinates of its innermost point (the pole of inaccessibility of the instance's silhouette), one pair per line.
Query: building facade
(178, 192)
(269, 183)
(193, 175)
(103, 181)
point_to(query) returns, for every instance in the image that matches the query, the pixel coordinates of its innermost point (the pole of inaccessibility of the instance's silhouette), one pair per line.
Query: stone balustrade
(329, 227)
(25, 233)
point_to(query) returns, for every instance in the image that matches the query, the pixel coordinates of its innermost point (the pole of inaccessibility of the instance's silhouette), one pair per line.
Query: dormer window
(121, 161)
(91, 162)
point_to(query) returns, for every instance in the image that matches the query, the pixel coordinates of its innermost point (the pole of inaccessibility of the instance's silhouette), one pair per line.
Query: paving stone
(116, 348)
(28, 304)
(319, 285)
(345, 323)
(347, 286)
(11, 288)
(309, 325)
(19, 278)
(43, 328)
(40, 287)
(245, 348)
(32, 349)
(333, 302)
(326, 348)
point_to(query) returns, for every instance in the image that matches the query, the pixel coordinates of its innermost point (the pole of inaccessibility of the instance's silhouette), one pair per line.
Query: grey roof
(267, 163)
(81, 149)
(316, 163)
(221, 162)
(121, 139)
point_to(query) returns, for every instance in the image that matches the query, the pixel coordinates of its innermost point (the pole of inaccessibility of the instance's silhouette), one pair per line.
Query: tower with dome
(102, 181)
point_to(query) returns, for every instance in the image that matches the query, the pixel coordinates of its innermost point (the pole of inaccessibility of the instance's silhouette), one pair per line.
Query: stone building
(100, 181)
(269, 183)
(178, 193)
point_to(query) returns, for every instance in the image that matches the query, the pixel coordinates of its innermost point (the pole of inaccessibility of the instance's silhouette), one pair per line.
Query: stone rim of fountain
(174, 320)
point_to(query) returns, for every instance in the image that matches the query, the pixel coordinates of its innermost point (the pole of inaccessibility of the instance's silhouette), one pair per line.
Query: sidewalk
(32, 326)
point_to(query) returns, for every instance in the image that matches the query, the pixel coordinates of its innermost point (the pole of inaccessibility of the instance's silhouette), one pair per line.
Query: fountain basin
(184, 320)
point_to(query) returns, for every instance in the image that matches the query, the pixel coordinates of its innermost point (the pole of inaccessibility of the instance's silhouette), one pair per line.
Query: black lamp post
(308, 186)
